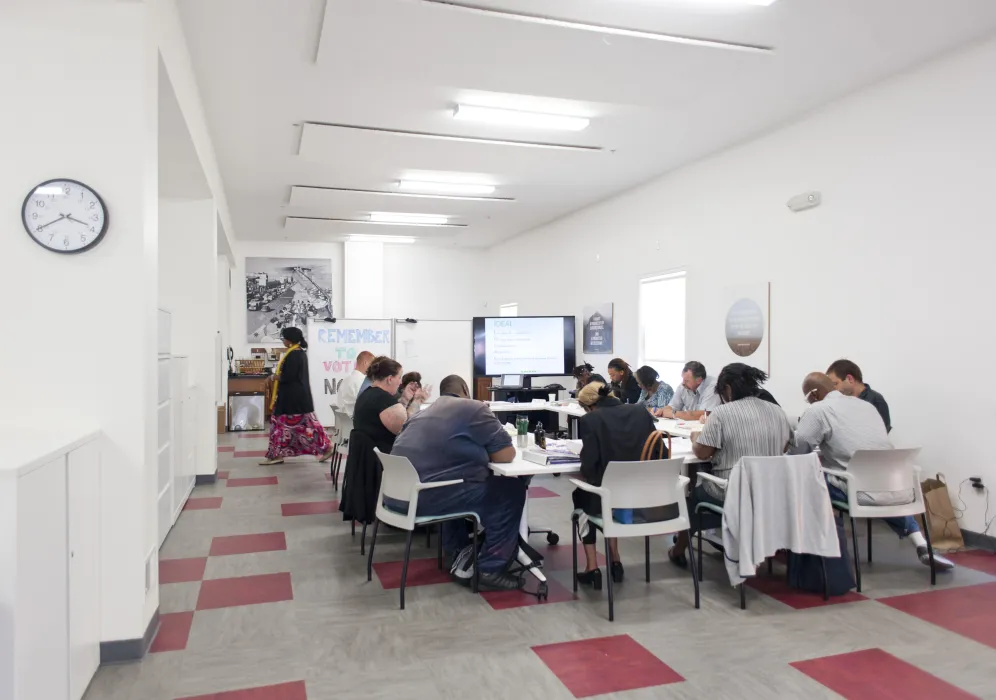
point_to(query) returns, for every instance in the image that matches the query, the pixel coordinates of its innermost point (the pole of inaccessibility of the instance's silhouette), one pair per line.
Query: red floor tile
(541, 492)
(284, 691)
(174, 629)
(244, 590)
(421, 572)
(313, 508)
(558, 558)
(226, 448)
(248, 544)
(253, 481)
(249, 453)
(212, 503)
(975, 559)
(969, 611)
(223, 474)
(181, 570)
(605, 665)
(504, 600)
(775, 587)
(874, 674)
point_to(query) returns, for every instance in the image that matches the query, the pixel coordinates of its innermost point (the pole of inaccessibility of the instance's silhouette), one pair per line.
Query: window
(508, 309)
(662, 325)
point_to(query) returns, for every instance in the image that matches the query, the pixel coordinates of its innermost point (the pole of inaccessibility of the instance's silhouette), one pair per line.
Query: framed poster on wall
(746, 327)
(598, 329)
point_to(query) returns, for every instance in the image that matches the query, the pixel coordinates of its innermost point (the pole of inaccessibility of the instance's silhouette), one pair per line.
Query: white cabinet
(49, 566)
(176, 441)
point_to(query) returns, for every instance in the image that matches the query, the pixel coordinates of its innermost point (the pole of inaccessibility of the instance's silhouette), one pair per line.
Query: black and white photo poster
(598, 329)
(282, 292)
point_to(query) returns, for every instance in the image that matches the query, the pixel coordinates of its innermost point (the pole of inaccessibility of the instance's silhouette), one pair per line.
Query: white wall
(364, 279)
(226, 281)
(894, 270)
(80, 341)
(188, 289)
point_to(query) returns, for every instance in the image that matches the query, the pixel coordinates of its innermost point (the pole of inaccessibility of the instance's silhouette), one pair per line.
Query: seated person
(456, 439)
(585, 374)
(610, 431)
(421, 394)
(378, 414)
(742, 426)
(846, 378)
(695, 396)
(654, 393)
(349, 388)
(624, 384)
(839, 426)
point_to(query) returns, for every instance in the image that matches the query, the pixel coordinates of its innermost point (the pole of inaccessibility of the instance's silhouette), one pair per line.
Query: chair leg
(475, 581)
(574, 549)
(608, 558)
(743, 596)
(699, 536)
(428, 536)
(857, 555)
(363, 540)
(695, 572)
(404, 567)
(869, 542)
(370, 555)
(353, 533)
(826, 586)
(439, 546)
(646, 547)
(930, 550)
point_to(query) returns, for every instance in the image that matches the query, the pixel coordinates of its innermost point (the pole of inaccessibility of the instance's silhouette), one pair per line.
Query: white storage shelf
(49, 564)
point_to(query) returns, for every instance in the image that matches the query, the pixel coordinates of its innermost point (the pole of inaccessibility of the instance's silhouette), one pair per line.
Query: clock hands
(72, 218)
(54, 221)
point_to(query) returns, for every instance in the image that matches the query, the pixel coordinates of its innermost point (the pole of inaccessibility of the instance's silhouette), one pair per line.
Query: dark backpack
(806, 574)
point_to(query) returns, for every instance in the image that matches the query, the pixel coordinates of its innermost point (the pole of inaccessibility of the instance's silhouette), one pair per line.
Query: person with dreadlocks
(743, 425)
(585, 374)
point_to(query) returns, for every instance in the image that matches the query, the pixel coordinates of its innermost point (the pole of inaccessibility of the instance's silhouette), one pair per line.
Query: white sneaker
(940, 563)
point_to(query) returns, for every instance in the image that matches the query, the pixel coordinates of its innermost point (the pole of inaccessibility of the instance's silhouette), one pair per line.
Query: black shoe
(617, 572)
(591, 578)
(500, 581)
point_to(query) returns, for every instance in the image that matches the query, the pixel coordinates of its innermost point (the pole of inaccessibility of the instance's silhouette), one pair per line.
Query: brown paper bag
(945, 535)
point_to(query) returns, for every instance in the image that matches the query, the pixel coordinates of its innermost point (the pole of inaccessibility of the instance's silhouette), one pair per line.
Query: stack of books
(556, 452)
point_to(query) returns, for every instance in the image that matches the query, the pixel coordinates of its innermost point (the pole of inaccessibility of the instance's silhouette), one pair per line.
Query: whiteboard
(332, 351)
(436, 349)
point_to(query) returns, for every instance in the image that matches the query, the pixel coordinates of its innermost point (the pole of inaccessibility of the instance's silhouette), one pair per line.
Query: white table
(522, 468)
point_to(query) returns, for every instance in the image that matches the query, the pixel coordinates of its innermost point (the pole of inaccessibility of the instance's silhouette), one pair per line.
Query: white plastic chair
(400, 482)
(343, 427)
(877, 471)
(632, 485)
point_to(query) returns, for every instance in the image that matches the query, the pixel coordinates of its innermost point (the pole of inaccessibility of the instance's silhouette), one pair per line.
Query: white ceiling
(274, 74)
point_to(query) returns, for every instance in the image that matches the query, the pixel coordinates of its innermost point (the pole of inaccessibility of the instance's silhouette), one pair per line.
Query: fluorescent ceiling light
(514, 117)
(359, 237)
(390, 217)
(465, 188)
(599, 28)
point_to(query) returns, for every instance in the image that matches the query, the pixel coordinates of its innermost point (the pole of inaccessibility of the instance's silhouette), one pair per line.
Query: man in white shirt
(839, 426)
(350, 387)
(695, 396)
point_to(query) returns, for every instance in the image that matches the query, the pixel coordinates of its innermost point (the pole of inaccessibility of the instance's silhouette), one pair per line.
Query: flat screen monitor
(511, 380)
(524, 345)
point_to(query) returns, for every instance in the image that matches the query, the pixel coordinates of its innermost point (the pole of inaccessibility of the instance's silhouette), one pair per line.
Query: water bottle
(522, 431)
(540, 436)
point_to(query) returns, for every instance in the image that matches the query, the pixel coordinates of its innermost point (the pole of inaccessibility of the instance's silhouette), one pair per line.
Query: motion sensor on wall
(804, 201)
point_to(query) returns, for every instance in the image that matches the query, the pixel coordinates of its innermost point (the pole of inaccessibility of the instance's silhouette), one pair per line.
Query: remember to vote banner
(332, 351)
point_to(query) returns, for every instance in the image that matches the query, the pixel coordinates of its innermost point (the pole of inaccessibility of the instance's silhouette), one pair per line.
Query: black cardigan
(293, 389)
(613, 432)
(629, 392)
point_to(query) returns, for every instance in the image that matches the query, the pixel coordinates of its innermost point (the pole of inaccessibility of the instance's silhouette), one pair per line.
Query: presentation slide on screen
(524, 345)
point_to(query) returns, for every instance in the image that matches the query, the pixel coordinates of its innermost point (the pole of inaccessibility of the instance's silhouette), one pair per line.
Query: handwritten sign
(332, 351)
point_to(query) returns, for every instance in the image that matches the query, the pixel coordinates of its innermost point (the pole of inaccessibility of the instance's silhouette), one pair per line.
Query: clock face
(64, 216)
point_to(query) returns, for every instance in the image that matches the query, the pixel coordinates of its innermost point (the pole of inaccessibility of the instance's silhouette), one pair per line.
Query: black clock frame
(89, 246)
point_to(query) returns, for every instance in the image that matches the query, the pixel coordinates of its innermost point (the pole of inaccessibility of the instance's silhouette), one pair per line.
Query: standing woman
(294, 429)
(654, 393)
(624, 384)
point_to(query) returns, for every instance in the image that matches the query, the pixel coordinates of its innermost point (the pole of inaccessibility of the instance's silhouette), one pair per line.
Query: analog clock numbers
(65, 216)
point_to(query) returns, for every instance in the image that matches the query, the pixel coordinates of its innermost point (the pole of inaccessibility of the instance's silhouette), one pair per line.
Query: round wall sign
(744, 327)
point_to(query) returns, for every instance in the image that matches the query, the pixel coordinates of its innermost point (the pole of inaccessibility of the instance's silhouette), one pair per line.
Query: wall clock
(64, 216)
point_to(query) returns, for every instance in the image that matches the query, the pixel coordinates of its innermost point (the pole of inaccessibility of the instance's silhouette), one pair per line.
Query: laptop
(510, 381)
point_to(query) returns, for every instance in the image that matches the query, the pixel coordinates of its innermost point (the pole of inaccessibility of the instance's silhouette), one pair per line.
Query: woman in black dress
(294, 429)
(624, 384)
(378, 414)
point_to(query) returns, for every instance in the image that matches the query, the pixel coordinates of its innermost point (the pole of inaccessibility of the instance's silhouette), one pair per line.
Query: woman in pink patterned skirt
(294, 429)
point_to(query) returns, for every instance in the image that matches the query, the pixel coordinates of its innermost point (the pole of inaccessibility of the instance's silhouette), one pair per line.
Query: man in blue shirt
(456, 438)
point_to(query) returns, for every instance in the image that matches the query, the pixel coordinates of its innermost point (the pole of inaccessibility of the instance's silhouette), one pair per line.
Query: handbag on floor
(945, 535)
(806, 574)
